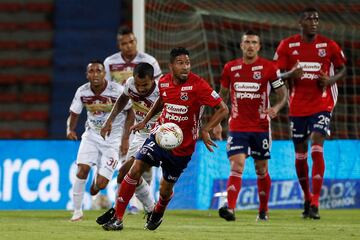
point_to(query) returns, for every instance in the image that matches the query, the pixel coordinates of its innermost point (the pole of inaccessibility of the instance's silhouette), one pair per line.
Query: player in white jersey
(119, 66)
(98, 97)
(143, 91)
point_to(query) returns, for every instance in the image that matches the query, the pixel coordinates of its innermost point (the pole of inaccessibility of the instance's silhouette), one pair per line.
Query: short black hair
(97, 61)
(307, 10)
(251, 32)
(177, 52)
(124, 30)
(143, 69)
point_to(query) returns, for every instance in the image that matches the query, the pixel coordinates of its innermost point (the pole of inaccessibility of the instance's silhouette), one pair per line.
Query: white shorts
(94, 150)
(136, 144)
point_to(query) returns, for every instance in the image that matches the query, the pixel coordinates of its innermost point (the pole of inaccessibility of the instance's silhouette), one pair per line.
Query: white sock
(143, 193)
(78, 193)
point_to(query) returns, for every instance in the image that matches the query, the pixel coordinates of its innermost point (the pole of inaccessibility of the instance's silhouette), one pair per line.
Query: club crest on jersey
(257, 75)
(184, 96)
(322, 52)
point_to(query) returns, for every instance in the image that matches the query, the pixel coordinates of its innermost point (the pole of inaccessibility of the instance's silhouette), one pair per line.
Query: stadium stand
(26, 31)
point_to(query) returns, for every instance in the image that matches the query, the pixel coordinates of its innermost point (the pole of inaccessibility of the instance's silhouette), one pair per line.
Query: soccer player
(143, 91)
(97, 96)
(314, 64)
(182, 96)
(119, 67)
(248, 81)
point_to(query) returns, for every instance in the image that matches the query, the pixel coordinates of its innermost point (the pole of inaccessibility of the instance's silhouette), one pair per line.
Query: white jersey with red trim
(183, 104)
(142, 104)
(118, 70)
(249, 86)
(321, 55)
(98, 107)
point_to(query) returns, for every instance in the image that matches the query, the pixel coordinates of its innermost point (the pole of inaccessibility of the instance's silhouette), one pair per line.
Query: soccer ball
(169, 136)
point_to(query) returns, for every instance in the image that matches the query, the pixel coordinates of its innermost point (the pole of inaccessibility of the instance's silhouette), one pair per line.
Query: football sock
(162, 204)
(317, 172)
(233, 188)
(78, 192)
(264, 184)
(302, 171)
(126, 191)
(143, 193)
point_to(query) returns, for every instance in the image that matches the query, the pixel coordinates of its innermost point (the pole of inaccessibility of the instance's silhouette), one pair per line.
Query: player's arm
(129, 121)
(221, 111)
(282, 94)
(217, 130)
(71, 124)
(155, 108)
(324, 80)
(117, 108)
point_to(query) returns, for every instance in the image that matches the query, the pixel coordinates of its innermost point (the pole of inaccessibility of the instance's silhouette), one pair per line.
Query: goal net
(212, 30)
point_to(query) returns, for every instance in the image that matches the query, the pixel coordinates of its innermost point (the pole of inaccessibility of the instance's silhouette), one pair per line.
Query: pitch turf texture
(197, 225)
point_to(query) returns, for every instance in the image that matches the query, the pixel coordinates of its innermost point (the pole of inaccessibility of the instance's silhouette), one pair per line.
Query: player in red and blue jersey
(313, 64)
(182, 97)
(248, 80)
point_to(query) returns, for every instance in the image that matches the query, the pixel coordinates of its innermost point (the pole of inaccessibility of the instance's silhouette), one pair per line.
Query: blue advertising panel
(39, 175)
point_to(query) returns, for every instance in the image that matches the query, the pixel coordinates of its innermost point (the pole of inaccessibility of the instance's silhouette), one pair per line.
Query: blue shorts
(172, 166)
(255, 144)
(302, 127)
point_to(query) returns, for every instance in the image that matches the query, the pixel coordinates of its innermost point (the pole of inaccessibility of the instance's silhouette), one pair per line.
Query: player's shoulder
(145, 57)
(265, 62)
(113, 58)
(322, 39)
(291, 41)
(84, 88)
(233, 63)
(114, 87)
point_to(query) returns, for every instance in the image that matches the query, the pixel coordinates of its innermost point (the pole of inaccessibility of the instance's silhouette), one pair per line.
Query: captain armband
(277, 83)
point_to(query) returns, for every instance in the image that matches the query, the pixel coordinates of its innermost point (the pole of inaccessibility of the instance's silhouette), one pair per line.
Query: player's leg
(264, 184)
(299, 128)
(260, 144)
(320, 125)
(237, 150)
(146, 157)
(166, 194)
(79, 190)
(172, 168)
(87, 156)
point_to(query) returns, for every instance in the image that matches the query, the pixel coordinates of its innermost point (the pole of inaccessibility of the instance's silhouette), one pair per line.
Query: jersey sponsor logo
(184, 96)
(321, 45)
(187, 88)
(310, 66)
(322, 52)
(164, 85)
(174, 108)
(215, 95)
(248, 95)
(311, 76)
(246, 86)
(176, 118)
(234, 68)
(295, 44)
(257, 75)
(257, 68)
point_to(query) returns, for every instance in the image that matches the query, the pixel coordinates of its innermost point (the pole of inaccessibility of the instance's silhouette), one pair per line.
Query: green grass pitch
(184, 224)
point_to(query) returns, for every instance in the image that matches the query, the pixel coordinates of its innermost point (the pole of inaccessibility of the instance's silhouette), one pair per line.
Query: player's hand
(217, 131)
(272, 112)
(124, 146)
(137, 127)
(105, 130)
(207, 140)
(324, 80)
(296, 71)
(71, 135)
